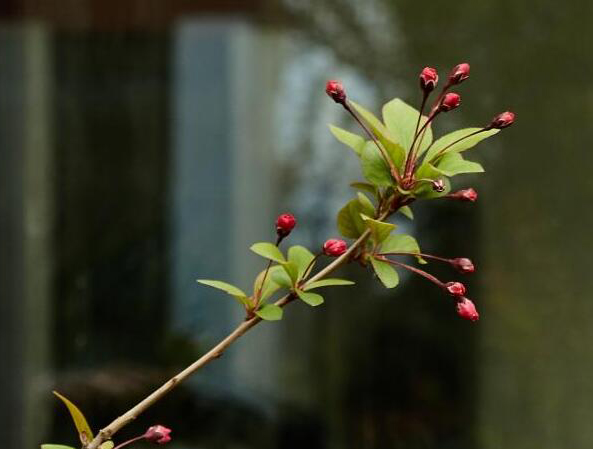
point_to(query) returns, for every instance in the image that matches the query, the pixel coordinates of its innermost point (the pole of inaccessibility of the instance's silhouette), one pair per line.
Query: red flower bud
(158, 434)
(438, 185)
(463, 265)
(503, 120)
(335, 247)
(428, 79)
(464, 195)
(467, 310)
(336, 91)
(284, 224)
(459, 73)
(450, 101)
(455, 288)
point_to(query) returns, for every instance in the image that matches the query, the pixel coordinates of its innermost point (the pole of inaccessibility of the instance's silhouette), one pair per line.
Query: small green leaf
(55, 446)
(270, 312)
(367, 206)
(379, 229)
(407, 211)
(425, 191)
(385, 272)
(350, 224)
(292, 270)
(374, 167)
(400, 119)
(107, 445)
(313, 299)
(282, 278)
(269, 251)
(352, 140)
(224, 286)
(301, 257)
(452, 164)
(84, 431)
(401, 243)
(366, 187)
(270, 287)
(465, 144)
(328, 282)
(377, 128)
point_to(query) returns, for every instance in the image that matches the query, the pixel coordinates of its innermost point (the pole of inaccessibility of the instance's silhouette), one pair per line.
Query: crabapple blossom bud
(158, 434)
(502, 120)
(459, 73)
(438, 185)
(336, 91)
(450, 101)
(464, 195)
(455, 288)
(463, 265)
(334, 247)
(428, 79)
(467, 310)
(284, 224)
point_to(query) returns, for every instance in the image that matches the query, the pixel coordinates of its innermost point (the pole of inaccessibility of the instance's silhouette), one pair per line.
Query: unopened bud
(459, 73)
(455, 288)
(284, 224)
(158, 434)
(467, 310)
(428, 79)
(336, 91)
(463, 265)
(464, 195)
(335, 247)
(503, 120)
(438, 185)
(450, 101)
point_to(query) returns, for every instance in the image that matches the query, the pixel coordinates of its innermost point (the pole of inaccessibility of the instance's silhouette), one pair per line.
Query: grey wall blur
(144, 144)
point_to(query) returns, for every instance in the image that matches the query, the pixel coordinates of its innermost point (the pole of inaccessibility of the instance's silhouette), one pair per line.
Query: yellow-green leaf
(55, 446)
(84, 431)
(107, 445)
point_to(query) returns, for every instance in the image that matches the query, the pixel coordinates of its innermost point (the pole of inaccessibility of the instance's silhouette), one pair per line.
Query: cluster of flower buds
(158, 434)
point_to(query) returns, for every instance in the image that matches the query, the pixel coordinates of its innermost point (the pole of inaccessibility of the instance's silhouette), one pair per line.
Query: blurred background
(146, 143)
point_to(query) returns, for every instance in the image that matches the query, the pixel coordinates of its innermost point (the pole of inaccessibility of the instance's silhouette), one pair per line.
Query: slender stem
(263, 281)
(214, 353)
(388, 161)
(422, 273)
(426, 256)
(440, 153)
(126, 443)
(412, 153)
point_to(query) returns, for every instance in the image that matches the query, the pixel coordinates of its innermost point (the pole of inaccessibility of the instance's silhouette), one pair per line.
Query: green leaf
(352, 140)
(377, 128)
(282, 278)
(379, 229)
(425, 191)
(328, 282)
(107, 445)
(224, 286)
(55, 446)
(400, 119)
(84, 431)
(269, 251)
(301, 257)
(292, 270)
(400, 243)
(385, 272)
(270, 312)
(270, 286)
(366, 187)
(396, 153)
(374, 167)
(452, 164)
(367, 206)
(350, 224)
(407, 211)
(465, 144)
(313, 299)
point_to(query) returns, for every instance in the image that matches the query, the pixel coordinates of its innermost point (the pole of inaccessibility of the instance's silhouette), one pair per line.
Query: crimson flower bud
(455, 288)
(503, 120)
(284, 224)
(428, 79)
(459, 73)
(465, 195)
(438, 185)
(336, 91)
(467, 310)
(158, 434)
(463, 265)
(334, 247)
(450, 101)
